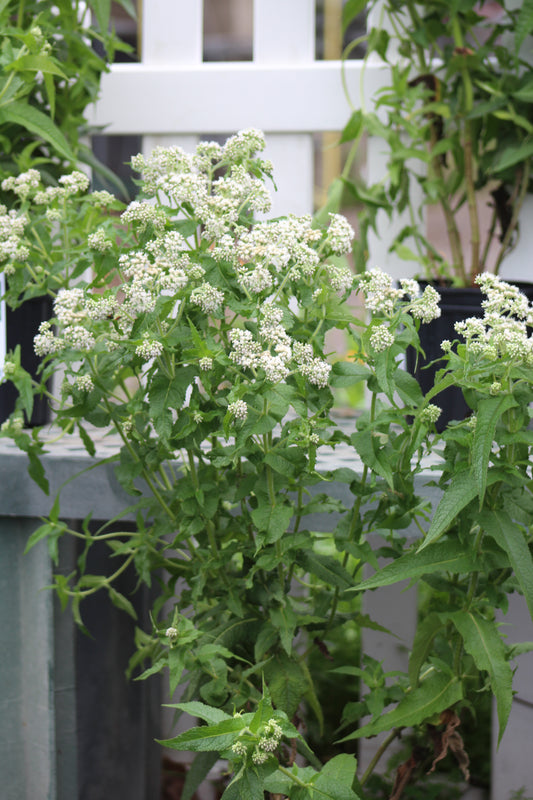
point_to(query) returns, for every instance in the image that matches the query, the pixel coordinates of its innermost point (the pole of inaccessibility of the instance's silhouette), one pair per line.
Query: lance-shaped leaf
(482, 641)
(209, 737)
(443, 557)
(489, 412)
(201, 710)
(197, 773)
(437, 692)
(36, 122)
(460, 492)
(509, 536)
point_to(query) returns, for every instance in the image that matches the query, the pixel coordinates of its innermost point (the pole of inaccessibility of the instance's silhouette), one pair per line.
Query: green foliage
(50, 72)
(198, 336)
(455, 118)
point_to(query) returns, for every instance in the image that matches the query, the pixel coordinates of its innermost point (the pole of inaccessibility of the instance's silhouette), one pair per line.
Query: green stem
(382, 748)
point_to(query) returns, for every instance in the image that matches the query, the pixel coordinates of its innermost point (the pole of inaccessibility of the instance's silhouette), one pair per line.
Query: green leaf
(461, 491)
(347, 373)
(285, 620)
(38, 123)
(176, 665)
(48, 529)
(489, 411)
(510, 537)
(197, 773)
(367, 445)
(524, 23)
(272, 521)
(426, 630)
(102, 11)
(286, 681)
(443, 557)
(37, 64)
(248, 783)
(482, 641)
(434, 694)
(335, 779)
(121, 602)
(512, 155)
(351, 9)
(201, 710)
(326, 568)
(208, 737)
(86, 439)
(354, 126)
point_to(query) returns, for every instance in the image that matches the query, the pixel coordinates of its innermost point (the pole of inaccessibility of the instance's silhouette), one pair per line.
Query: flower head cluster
(381, 338)
(98, 241)
(503, 332)
(238, 409)
(426, 308)
(74, 183)
(430, 414)
(379, 292)
(340, 234)
(24, 185)
(12, 246)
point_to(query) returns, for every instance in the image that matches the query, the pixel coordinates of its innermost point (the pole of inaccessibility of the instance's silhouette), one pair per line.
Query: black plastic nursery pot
(457, 304)
(22, 324)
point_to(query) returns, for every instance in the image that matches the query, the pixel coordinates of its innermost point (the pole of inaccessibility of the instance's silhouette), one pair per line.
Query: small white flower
(238, 409)
(381, 338)
(340, 234)
(208, 298)
(149, 348)
(84, 383)
(206, 363)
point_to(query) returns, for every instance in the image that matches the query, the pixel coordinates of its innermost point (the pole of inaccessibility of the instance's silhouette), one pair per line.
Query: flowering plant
(198, 335)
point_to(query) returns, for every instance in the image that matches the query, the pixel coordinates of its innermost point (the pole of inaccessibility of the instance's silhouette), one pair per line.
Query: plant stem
(382, 748)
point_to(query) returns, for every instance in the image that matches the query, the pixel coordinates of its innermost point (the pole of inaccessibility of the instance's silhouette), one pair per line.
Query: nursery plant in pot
(456, 121)
(49, 73)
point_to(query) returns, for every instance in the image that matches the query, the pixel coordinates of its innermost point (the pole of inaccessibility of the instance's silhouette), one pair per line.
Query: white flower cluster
(24, 184)
(268, 742)
(45, 343)
(381, 296)
(209, 298)
(238, 409)
(144, 214)
(98, 241)
(149, 348)
(379, 292)
(315, 369)
(102, 198)
(340, 234)
(503, 332)
(68, 305)
(430, 414)
(12, 248)
(74, 182)
(426, 308)
(84, 383)
(341, 278)
(381, 338)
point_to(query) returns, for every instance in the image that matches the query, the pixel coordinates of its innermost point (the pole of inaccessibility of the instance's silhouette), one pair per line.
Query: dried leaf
(450, 740)
(403, 776)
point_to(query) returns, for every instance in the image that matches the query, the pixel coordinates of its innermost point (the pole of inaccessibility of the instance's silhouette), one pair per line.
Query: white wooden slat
(284, 32)
(222, 98)
(171, 31)
(292, 157)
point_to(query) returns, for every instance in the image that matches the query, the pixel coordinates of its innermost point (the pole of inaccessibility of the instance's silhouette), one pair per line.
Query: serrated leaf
(38, 123)
(208, 737)
(284, 620)
(443, 557)
(271, 522)
(524, 23)
(510, 537)
(489, 411)
(367, 447)
(482, 641)
(326, 568)
(286, 681)
(37, 64)
(335, 779)
(434, 694)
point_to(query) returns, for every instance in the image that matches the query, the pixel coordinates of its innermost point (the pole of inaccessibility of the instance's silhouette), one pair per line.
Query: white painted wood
(292, 157)
(171, 32)
(284, 32)
(223, 98)
(517, 265)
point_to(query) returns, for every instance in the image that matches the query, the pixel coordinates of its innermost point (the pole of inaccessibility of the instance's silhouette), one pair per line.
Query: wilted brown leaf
(450, 740)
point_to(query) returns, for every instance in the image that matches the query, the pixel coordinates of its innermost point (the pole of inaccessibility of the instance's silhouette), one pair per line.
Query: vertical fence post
(284, 33)
(171, 33)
